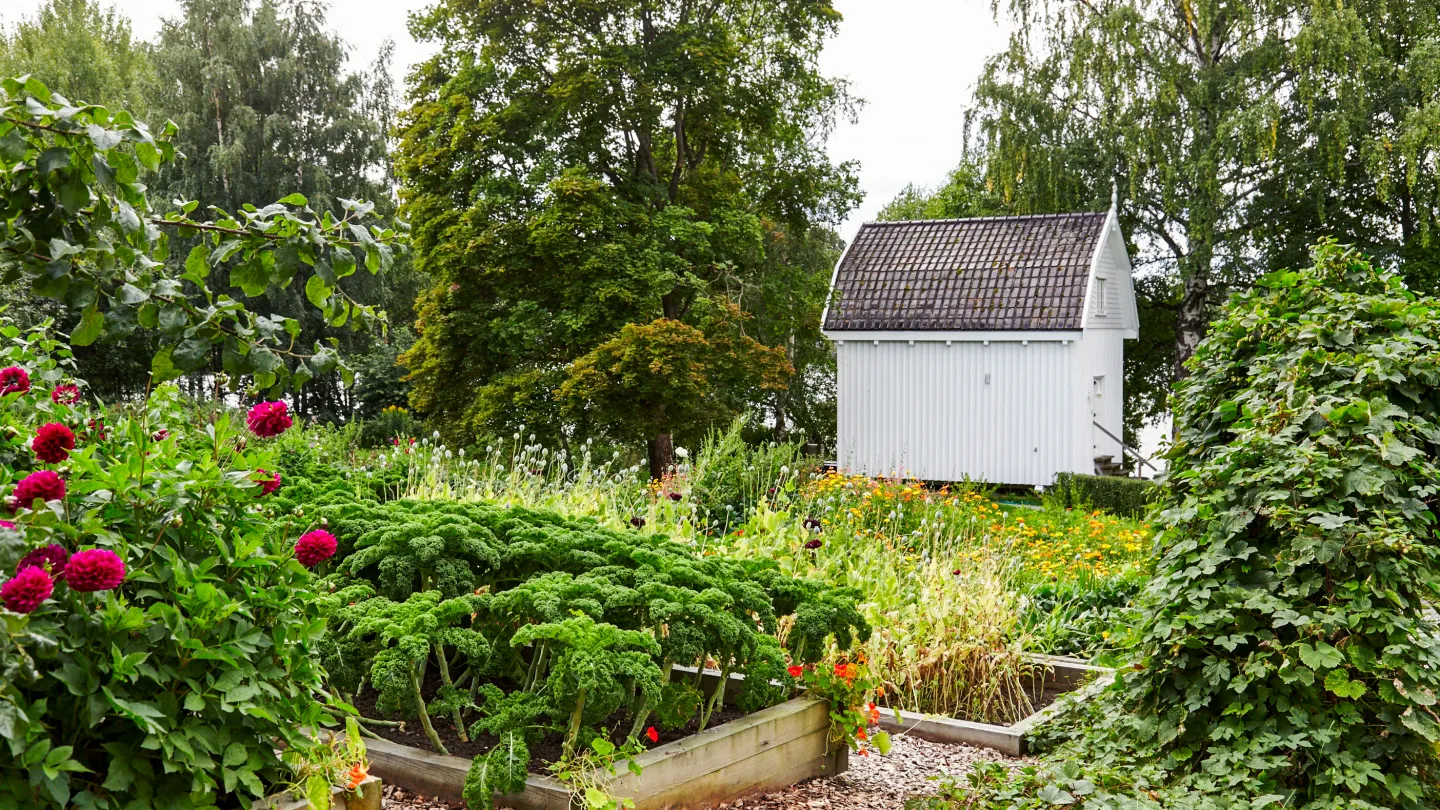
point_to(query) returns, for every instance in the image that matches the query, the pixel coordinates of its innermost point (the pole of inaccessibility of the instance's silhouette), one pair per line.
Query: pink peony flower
(14, 380)
(314, 548)
(25, 591)
(52, 558)
(45, 484)
(269, 482)
(53, 443)
(65, 394)
(94, 569)
(268, 419)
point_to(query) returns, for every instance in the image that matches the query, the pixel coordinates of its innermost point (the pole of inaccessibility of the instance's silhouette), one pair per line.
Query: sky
(914, 62)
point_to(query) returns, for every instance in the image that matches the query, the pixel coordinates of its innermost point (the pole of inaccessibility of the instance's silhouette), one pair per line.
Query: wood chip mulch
(871, 783)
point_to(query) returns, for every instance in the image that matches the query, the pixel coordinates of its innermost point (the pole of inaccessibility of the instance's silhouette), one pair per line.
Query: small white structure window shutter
(1102, 296)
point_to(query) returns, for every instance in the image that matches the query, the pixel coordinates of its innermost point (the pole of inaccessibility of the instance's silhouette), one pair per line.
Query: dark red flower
(957, 572)
(66, 394)
(14, 380)
(269, 482)
(53, 442)
(97, 426)
(638, 522)
(315, 547)
(269, 419)
(94, 569)
(25, 591)
(813, 524)
(44, 484)
(674, 496)
(814, 544)
(52, 558)
(652, 734)
(160, 435)
(795, 670)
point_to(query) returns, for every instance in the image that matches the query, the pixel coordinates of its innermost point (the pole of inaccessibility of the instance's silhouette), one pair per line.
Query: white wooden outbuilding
(985, 349)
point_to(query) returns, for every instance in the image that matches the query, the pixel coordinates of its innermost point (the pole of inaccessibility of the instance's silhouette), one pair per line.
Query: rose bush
(156, 647)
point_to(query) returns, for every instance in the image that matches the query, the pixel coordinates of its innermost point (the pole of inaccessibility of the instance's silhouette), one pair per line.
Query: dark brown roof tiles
(990, 273)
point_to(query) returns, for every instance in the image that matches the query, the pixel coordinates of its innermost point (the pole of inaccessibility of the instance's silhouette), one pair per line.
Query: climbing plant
(1287, 654)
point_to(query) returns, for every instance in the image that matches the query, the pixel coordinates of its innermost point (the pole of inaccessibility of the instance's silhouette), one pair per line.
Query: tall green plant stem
(642, 706)
(717, 698)
(425, 715)
(445, 679)
(576, 717)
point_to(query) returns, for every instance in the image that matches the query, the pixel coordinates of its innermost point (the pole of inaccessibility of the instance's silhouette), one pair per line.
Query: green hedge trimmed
(1126, 497)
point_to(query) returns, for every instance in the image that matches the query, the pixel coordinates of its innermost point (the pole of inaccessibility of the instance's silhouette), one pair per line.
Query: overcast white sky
(913, 61)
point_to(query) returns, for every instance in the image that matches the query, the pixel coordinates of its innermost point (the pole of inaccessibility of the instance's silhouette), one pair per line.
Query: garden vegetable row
(581, 622)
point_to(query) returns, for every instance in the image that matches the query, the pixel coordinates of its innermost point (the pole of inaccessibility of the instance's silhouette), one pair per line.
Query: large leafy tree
(92, 54)
(574, 168)
(266, 107)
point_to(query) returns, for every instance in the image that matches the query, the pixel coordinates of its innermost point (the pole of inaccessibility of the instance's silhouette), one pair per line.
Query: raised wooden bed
(1059, 675)
(365, 797)
(769, 749)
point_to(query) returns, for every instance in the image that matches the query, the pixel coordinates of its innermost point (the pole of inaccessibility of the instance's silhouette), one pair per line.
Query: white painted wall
(926, 410)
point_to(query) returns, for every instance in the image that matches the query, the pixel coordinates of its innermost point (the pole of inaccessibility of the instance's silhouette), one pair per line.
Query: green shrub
(1285, 653)
(1125, 497)
(179, 685)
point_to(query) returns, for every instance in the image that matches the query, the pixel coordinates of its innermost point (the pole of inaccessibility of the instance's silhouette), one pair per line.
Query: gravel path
(872, 783)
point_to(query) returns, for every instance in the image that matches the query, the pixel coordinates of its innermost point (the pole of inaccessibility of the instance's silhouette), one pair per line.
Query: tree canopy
(573, 170)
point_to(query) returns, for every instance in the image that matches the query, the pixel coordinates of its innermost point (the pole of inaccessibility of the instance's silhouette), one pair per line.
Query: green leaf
(1339, 683)
(317, 292)
(56, 157)
(295, 199)
(235, 754)
(197, 263)
(194, 702)
(317, 787)
(1322, 656)
(881, 740)
(92, 325)
(1054, 795)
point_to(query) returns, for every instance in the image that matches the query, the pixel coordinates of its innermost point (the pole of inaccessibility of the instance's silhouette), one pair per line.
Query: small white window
(1102, 297)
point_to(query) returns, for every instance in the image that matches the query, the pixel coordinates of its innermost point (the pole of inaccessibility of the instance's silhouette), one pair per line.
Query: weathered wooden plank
(771, 748)
(1005, 739)
(366, 797)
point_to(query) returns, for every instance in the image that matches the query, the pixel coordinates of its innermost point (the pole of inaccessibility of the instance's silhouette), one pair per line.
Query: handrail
(1125, 448)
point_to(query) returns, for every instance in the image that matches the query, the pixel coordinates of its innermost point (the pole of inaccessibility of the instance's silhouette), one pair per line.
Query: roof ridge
(1006, 218)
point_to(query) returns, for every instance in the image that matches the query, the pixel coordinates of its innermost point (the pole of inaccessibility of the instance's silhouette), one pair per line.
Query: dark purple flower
(94, 569)
(813, 524)
(814, 544)
(638, 522)
(674, 496)
(25, 591)
(52, 558)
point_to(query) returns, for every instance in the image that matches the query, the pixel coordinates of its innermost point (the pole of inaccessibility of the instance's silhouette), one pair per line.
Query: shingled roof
(961, 274)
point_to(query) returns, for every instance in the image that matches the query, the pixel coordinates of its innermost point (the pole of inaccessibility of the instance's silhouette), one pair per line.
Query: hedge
(1126, 497)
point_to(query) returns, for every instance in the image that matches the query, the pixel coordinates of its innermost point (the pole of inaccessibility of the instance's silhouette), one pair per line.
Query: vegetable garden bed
(365, 796)
(768, 749)
(1058, 676)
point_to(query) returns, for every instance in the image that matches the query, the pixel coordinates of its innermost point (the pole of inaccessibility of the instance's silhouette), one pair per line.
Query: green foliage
(731, 477)
(690, 146)
(76, 224)
(182, 683)
(1126, 497)
(579, 621)
(1284, 651)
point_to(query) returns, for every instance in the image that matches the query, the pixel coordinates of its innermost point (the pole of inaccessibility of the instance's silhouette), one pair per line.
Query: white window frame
(1102, 297)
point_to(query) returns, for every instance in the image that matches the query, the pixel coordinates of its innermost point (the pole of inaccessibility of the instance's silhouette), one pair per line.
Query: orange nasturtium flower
(357, 775)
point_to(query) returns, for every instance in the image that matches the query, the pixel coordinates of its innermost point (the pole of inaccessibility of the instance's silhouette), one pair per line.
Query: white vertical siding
(1103, 350)
(925, 410)
(1115, 286)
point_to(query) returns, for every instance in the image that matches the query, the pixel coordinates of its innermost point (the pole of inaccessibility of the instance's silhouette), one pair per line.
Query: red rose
(795, 670)
(268, 482)
(45, 484)
(26, 590)
(652, 734)
(51, 558)
(53, 443)
(315, 547)
(269, 419)
(66, 394)
(14, 380)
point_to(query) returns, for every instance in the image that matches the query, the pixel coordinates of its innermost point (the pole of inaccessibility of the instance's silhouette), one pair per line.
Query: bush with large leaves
(1287, 652)
(175, 689)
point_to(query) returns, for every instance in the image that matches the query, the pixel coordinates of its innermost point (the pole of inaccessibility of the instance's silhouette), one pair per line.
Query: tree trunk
(782, 430)
(661, 451)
